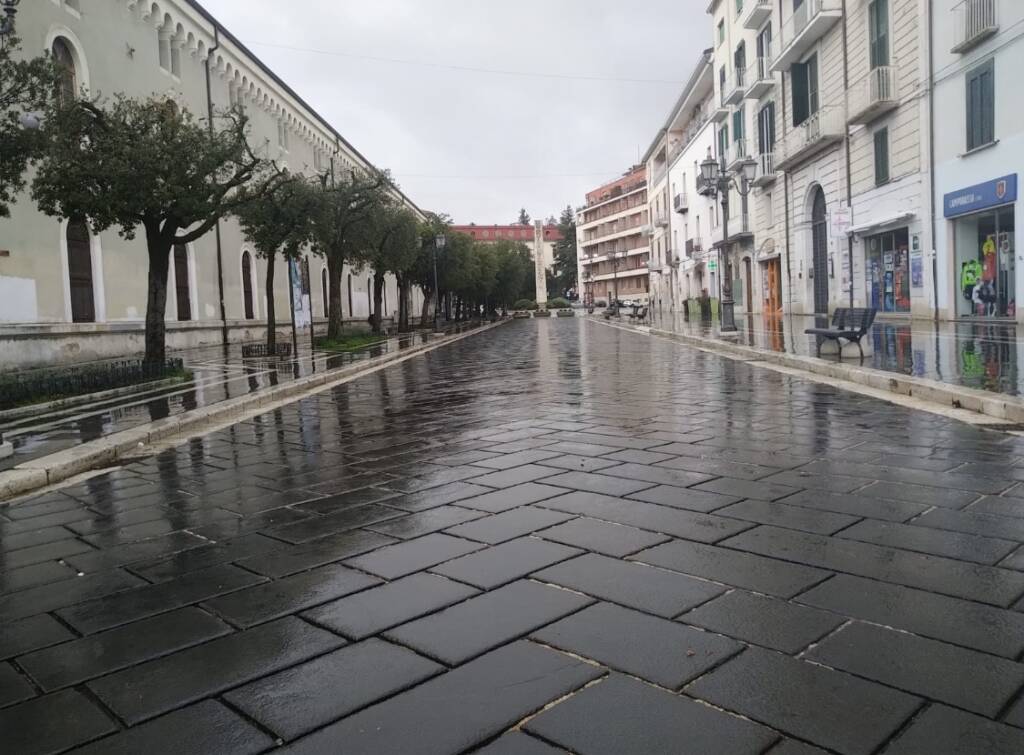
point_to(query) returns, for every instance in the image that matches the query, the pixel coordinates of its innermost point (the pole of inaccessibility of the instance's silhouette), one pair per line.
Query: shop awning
(863, 228)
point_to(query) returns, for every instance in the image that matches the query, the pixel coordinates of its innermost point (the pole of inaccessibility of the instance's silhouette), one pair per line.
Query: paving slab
(761, 620)
(963, 678)
(496, 501)
(393, 561)
(657, 650)
(856, 505)
(53, 723)
(645, 588)
(465, 707)
(621, 715)
(607, 538)
(26, 635)
(947, 730)
(938, 542)
(813, 703)
(508, 525)
(371, 611)
(482, 623)
(293, 702)
(500, 564)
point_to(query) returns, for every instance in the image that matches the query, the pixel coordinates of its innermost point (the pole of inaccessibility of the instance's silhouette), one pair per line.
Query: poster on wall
(301, 305)
(916, 270)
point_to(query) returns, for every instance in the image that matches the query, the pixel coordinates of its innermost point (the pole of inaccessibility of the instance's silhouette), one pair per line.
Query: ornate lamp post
(10, 7)
(718, 181)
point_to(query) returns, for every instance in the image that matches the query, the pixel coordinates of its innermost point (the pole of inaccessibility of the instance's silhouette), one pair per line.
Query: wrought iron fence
(36, 386)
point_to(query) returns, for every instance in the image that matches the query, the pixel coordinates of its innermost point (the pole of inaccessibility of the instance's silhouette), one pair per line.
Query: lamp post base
(728, 316)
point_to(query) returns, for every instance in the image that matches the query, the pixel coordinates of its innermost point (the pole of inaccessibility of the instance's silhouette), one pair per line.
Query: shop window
(881, 156)
(981, 107)
(878, 33)
(985, 249)
(888, 271)
(83, 307)
(804, 78)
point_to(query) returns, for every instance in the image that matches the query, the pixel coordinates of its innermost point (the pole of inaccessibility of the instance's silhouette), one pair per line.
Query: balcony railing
(765, 169)
(875, 95)
(661, 219)
(805, 26)
(693, 245)
(755, 13)
(976, 21)
(821, 130)
(760, 78)
(681, 203)
(737, 153)
(734, 93)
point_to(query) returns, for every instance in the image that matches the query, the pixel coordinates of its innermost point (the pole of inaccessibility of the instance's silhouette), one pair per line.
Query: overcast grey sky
(481, 145)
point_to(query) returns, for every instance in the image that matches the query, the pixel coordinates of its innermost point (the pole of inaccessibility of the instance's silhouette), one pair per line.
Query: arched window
(350, 313)
(323, 284)
(247, 285)
(184, 296)
(67, 87)
(83, 307)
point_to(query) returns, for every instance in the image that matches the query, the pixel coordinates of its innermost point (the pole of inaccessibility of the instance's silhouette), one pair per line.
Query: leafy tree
(25, 86)
(422, 272)
(524, 217)
(565, 253)
(277, 220)
(514, 274)
(345, 205)
(149, 163)
(393, 246)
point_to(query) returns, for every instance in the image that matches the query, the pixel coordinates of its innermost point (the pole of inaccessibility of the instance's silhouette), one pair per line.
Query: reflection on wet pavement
(552, 536)
(974, 354)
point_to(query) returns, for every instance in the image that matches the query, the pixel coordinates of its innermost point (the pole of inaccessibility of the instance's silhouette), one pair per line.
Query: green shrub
(525, 304)
(559, 303)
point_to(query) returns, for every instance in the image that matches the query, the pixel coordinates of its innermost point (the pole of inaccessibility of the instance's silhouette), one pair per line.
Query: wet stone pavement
(552, 537)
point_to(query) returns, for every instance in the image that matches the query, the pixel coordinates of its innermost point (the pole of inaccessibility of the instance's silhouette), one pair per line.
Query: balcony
(803, 28)
(693, 245)
(760, 78)
(817, 133)
(765, 169)
(738, 154)
(681, 204)
(976, 21)
(874, 96)
(733, 94)
(756, 13)
(720, 113)
(661, 219)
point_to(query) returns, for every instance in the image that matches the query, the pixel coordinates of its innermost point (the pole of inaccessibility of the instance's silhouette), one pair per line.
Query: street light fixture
(10, 7)
(439, 243)
(717, 181)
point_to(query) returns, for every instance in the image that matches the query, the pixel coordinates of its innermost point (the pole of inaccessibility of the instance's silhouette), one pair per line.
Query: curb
(998, 406)
(59, 466)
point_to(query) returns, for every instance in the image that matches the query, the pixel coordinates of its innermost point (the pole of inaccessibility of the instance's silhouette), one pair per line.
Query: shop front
(982, 225)
(887, 258)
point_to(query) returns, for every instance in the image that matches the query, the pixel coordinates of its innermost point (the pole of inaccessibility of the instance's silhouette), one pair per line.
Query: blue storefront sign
(981, 197)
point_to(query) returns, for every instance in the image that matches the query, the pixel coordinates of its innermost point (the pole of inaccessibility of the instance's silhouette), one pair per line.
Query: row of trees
(148, 164)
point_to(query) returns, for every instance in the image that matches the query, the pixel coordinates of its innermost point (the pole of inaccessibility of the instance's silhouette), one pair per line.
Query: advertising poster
(917, 270)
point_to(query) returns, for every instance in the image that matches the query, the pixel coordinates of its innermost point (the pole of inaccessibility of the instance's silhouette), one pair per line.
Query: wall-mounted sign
(981, 196)
(841, 221)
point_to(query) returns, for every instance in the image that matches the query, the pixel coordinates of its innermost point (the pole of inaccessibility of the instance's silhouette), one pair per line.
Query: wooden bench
(848, 323)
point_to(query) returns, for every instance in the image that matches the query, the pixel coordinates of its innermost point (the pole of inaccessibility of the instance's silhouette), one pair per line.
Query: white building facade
(67, 294)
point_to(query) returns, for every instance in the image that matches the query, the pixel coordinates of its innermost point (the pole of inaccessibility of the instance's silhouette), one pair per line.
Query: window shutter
(988, 104)
(812, 85)
(798, 76)
(881, 156)
(981, 105)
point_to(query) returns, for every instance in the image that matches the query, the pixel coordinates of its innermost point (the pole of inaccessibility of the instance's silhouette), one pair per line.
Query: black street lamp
(717, 181)
(10, 7)
(439, 243)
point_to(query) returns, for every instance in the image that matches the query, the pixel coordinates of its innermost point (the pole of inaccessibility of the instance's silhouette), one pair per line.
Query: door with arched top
(83, 305)
(819, 250)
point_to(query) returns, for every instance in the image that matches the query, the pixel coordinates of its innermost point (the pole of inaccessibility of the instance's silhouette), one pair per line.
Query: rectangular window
(764, 45)
(878, 33)
(769, 209)
(723, 141)
(981, 106)
(737, 124)
(805, 89)
(721, 31)
(881, 156)
(766, 129)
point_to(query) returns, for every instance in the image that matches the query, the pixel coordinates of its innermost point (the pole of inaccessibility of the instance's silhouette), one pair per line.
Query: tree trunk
(425, 312)
(156, 301)
(335, 317)
(378, 295)
(403, 304)
(271, 310)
